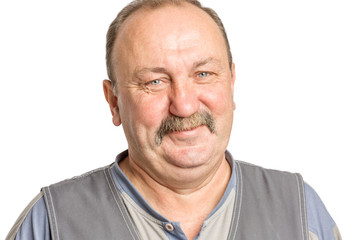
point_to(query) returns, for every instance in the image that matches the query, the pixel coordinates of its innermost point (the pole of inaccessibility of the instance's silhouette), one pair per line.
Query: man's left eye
(203, 74)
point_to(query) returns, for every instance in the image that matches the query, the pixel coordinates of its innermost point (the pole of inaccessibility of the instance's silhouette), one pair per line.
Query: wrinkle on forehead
(139, 71)
(171, 31)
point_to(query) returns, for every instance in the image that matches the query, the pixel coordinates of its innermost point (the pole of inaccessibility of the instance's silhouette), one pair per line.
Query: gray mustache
(175, 124)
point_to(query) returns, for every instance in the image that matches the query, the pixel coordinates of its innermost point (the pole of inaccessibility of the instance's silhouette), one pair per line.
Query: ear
(233, 77)
(111, 98)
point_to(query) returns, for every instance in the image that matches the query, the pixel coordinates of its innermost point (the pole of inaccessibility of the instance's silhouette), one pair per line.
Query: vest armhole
(13, 231)
(295, 182)
(233, 231)
(302, 205)
(51, 213)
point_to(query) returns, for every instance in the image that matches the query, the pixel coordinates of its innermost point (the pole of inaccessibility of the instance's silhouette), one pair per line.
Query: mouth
(187, 134)
(187, 129)
(178, 126)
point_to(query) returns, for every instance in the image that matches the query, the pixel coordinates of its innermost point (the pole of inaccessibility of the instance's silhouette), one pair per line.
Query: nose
(183, 99)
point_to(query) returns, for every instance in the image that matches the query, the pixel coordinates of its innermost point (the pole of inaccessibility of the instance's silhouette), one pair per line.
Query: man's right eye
(155, 82)
(156, 85)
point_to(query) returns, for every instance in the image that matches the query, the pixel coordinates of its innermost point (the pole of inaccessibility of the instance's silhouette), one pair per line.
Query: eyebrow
(139, 72)
(209, 60)
(199, 63)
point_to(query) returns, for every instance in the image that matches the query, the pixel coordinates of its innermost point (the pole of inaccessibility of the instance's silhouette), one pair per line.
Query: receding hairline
(149, 8)
(119, 24)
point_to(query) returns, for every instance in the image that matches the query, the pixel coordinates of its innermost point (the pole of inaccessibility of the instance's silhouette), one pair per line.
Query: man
(171, 88)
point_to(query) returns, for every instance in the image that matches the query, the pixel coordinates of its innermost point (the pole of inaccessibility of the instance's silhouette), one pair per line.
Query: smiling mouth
(187, 129)
(178, 124)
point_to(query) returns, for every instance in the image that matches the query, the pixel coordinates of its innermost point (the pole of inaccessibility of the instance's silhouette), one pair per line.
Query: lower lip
(188, 133)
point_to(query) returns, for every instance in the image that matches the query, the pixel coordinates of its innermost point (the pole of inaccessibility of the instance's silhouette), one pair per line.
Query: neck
(191, 205)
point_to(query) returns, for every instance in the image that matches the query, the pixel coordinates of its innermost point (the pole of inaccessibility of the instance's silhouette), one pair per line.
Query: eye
(203, 74)
(155, 82)
(156, 85)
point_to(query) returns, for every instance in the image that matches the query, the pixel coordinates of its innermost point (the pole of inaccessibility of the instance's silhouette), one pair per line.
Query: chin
(191, 157)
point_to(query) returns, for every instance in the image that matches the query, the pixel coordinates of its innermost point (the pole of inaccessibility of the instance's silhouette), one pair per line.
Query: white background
(297, 95)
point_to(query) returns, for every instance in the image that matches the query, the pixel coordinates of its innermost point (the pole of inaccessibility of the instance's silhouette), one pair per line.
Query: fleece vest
(269, 205)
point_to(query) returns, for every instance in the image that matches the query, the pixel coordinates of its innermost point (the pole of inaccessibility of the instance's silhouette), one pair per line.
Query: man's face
(172, 61)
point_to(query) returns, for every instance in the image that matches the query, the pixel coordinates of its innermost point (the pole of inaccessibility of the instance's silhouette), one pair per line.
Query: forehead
(168, 29)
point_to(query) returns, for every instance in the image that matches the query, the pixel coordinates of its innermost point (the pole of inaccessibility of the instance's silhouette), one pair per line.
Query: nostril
(184, 100)
(184, 108)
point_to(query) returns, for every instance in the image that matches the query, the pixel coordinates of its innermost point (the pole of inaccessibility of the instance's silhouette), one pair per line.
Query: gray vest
(269, 205)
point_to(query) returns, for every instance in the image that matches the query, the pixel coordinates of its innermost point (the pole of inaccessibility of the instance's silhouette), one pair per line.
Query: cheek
(218, 99)
(146, 110)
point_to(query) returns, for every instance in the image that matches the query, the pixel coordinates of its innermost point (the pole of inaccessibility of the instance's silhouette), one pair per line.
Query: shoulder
(320, 223)
(321, 226)
(32, 223)
(88, 176)
(284, 186)
(248, 170)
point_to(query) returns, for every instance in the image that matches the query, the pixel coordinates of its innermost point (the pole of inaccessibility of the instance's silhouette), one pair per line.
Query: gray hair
(152, 4)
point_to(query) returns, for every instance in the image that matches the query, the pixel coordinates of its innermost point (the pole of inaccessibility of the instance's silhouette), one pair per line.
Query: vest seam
(238, 199)
(306, 230)
(52, 213)
(111, 185)
(79, 177)
(302, 210)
